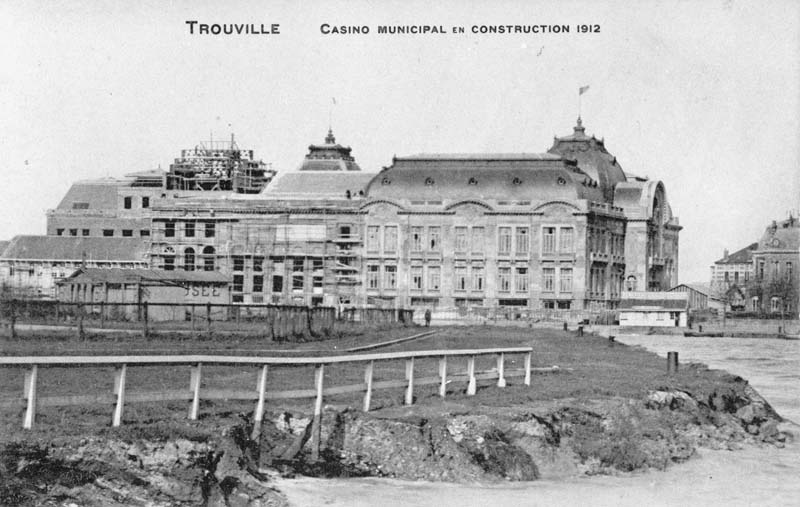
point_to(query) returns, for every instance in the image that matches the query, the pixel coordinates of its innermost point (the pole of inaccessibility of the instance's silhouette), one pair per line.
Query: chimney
(725, 255)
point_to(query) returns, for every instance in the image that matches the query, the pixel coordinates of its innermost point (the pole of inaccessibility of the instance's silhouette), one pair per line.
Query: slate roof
(743, 256)
(98, 194)
(153, 276)
(702, 288)
(317, 184)
(70, 248)
(3, 246)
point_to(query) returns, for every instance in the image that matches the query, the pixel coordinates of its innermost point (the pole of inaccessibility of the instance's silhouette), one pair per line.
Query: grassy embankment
(592, 368)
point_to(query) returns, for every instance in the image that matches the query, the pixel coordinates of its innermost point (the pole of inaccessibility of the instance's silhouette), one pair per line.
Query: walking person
(428, 317)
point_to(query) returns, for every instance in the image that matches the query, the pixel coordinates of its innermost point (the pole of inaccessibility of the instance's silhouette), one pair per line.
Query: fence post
(30, 395)
(443, 375)
(102, 314)
(410, 378)
(528, 369)
(145, 331)
(316, 425)
(194, 385)
(208, 318)
(13, 306)
(472, 385)
(672, 362)
(119, 390)
(501, 381)
(192, 307)
(58, 312)
(368, 380)
(81, 333)
(259, 415)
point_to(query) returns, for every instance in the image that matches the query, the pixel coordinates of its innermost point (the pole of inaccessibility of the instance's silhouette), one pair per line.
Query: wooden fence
(277, 322)
(30, 399)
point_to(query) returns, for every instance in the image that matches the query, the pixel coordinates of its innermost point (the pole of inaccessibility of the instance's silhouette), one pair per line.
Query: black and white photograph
(401, 253)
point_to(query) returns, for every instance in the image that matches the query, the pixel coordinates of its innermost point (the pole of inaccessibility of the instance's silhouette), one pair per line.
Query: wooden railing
(31, 400)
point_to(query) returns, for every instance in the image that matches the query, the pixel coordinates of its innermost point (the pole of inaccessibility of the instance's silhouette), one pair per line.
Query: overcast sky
(704, 97)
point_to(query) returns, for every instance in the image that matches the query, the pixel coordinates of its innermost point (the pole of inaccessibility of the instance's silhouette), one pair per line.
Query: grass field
(591, 368)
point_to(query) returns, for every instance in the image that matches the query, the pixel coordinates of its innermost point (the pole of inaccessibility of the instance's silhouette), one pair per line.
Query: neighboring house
(654, 309)
(136, 286)
(775, 287)
(732, 269)
(698, 295)
(31, 265)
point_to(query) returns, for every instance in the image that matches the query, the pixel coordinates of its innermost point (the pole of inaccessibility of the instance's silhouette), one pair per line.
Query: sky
(703, 96)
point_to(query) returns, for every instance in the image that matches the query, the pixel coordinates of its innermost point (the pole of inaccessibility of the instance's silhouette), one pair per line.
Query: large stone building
(776, 284)
(731, 270)
(563, 229)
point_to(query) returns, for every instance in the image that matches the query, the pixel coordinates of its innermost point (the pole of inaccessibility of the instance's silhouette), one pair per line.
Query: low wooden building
(164, 291)
(654, 309)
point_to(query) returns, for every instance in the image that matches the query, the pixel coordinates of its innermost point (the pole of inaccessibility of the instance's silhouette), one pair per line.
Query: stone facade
(775, 287)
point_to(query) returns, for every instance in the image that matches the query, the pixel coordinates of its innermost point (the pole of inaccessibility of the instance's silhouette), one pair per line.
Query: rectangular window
(108, 232)
(258, 263)
(128, 202)
(128, 233)
(297, 264)
(188, 229)
(373, 241)
(461, 240)
(761, 270)
(258, 283)
(238, 283)
(548, 279)
(434, 277)
(477, 240)
(435, 238)
(460, 278)
(169, 229)
(504, 243)
(210, 230)
(521, 280)
(789, 271)
(169, 263)
(523, 240)
(548, 240)
(73, 232)
(477, 278)
(297, 281)
(565, 280)
(390, 239)
(390, 277)
(566, 240)
(238, 263)
(59, 232)
(504, 279)
(317, 281)
(277, 283)
(144, 232)
(416, 277)
(145, 202)
(416, 239)
(85, 232)
(373, 274)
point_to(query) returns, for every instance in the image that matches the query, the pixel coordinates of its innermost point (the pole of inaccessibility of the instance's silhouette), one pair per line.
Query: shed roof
(653, 304)
(94, 194)
(331, 184)
(75, 248)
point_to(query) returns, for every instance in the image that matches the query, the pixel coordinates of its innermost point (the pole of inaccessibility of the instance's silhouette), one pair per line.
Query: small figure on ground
(428, 317)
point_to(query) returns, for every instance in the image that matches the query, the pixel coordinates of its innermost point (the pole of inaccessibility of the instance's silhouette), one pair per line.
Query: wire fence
(276, 322)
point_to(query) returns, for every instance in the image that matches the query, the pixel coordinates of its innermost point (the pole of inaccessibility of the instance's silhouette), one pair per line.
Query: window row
(108, 233)
(189, 229)
(557, 277)
(127, 202)
(558, 240)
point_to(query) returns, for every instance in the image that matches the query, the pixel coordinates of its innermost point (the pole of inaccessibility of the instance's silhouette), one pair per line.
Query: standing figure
(428, 317)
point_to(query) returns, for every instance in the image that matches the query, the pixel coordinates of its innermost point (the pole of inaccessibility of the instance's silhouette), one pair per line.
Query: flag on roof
(583, 89)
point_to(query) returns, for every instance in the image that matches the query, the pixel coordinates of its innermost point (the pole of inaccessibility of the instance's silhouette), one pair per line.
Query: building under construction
(218, 166)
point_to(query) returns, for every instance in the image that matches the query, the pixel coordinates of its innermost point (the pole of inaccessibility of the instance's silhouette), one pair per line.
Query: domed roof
(592, 158)
(330, 156)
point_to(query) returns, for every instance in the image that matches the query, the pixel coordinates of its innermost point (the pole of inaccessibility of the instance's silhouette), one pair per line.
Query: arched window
(208, 258)
(169, 259)
(188, 259)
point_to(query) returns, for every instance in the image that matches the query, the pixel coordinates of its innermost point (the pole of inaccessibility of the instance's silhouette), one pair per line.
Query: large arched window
(208, 258)
(188, 259)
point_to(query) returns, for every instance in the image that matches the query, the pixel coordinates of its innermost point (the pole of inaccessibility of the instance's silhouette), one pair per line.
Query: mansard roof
(92, 194)
(317, 184)
(783, 235)
(454, 177)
